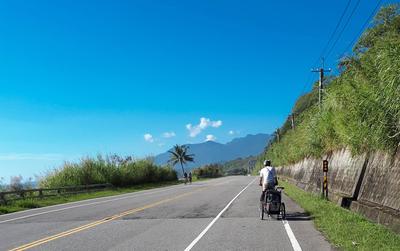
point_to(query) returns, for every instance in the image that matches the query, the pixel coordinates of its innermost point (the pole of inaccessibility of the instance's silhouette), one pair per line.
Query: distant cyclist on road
(186, 177)
(268, 178)
(190, 177)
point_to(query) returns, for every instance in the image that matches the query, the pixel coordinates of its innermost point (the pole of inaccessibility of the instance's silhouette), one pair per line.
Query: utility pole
(278, 135)
(321, 81)
(292, 120)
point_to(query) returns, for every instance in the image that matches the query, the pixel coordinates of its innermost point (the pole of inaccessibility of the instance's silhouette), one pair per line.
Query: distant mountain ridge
(214, 152)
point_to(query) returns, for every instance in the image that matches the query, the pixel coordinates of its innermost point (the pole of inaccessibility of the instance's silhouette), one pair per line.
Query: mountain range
(213, 152)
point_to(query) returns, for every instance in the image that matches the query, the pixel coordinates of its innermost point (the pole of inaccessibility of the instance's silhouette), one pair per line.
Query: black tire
(282, 210)
(261, 211)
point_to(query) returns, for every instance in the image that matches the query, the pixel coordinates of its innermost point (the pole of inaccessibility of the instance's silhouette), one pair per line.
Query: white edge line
(116, 197)
(99, 198)
(81, 201)
(292, 238)
(81, 205)
(191, 245)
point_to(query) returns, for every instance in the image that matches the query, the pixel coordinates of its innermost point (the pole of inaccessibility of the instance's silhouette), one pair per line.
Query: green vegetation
(118, 171)
(343, 228)
(49, 201)
(361, 106)
(180, 155)
(238, 166)
(208, 171)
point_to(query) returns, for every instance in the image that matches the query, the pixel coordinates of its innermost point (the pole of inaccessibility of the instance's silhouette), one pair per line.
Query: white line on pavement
(127, 195)
(77, 206)
(292, 238)
(115, 198)
(191, 245)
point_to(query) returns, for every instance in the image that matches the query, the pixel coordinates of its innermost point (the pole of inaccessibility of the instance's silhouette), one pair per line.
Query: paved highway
(219, 214)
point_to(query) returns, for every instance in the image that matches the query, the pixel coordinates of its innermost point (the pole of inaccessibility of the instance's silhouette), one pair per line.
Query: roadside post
(325, 182)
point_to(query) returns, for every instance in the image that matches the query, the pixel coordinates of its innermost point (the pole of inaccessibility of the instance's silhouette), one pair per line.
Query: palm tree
(179, 154)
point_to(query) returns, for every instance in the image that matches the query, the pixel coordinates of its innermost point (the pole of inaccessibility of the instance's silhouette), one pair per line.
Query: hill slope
(360, 109)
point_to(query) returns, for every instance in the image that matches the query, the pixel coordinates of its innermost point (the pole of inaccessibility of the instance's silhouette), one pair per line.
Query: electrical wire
(363, 27)
(343, 28)
(334, 31)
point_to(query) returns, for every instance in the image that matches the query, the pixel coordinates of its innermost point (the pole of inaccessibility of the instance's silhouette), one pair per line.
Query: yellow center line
(102, 221)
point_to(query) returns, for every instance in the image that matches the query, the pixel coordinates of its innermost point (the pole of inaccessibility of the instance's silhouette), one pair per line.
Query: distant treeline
(361, 106)
(17, 183)
(208, 171)
(239, 166)
(116, 170)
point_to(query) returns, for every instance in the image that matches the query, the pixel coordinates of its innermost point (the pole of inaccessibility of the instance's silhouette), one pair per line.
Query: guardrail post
(325, 180)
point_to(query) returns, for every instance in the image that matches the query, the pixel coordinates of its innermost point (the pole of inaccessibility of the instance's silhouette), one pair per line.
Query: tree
(179, 154)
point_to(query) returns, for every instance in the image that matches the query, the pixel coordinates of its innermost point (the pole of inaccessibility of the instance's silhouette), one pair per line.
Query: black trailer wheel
(282, 210)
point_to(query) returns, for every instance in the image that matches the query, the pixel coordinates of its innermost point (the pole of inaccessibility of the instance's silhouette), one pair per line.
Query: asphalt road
(219, 214)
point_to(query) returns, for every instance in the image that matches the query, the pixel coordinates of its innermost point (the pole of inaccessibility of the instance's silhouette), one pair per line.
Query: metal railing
(8, 196)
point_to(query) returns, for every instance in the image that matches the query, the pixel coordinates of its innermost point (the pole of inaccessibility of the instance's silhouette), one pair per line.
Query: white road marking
(77, 206)
(191, 245)
(127, 195)
(292, 238)
(115, 198)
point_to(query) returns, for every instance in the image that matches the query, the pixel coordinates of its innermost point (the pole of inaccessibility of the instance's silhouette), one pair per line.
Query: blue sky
(85, 77)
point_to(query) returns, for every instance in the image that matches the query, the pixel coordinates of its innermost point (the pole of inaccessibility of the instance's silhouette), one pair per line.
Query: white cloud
(161, 144)
(204, 123)
(193, 130)
(232, 132)
(31, 156)
(210, 137)
(168, 135)
(148, 137)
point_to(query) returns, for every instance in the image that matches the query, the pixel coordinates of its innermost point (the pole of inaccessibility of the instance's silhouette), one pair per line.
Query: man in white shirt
(268, 178)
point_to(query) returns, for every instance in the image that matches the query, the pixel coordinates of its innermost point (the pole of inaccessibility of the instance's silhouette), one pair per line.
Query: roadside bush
(118, 171)
(208, 171)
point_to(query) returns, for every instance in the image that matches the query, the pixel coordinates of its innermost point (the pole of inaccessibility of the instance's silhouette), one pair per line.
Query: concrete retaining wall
(368, 183)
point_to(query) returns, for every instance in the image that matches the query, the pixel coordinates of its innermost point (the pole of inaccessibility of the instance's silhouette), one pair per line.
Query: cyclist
(268, 178)
(186, 177)
(190, 177)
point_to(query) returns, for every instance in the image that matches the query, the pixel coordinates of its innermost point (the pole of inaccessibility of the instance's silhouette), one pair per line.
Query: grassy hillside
(361, 106)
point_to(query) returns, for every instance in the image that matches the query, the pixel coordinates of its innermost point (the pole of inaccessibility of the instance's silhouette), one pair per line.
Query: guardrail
(8, 196)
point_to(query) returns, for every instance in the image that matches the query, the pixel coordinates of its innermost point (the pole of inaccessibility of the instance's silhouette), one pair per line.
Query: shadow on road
(297, 216)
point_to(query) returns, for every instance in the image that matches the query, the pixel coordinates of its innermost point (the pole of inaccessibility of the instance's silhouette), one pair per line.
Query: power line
(363, 27)
(340, 34)
(334, 31)
(306, 83)
(327, 44)
(343, 28)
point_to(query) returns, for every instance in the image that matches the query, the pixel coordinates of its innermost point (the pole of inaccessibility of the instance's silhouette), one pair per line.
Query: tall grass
(120, 172)
(361, 106)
